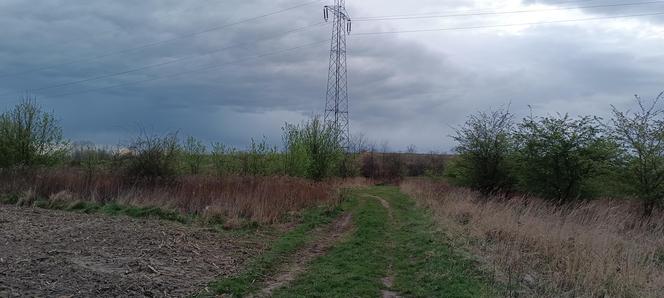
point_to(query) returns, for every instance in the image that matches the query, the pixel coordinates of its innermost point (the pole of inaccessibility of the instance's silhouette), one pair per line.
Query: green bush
(485, 144)
(640, 135)
(313, 150)
(225, 160)
(558, 156)
(261, 160)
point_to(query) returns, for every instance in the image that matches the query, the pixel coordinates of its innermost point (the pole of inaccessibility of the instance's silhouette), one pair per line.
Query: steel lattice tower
(336, 99)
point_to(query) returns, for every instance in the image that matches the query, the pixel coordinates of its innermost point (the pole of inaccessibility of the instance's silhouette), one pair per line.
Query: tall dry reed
(261, 199)
(601, 248)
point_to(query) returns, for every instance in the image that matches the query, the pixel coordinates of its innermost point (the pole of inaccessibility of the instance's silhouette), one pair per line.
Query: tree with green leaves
(557, 156)
(30, 136)
(640, 135)
(312, 149)
(484, 145)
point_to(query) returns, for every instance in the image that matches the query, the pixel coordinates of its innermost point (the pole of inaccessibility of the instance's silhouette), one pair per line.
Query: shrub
(393, 168)
(436, 165)
(557, 156)
(194, 154)
(261, 159)
(225, 159)
(484, 145)
(153, 156)
(640, 135)
(313, 149)
(369, 167)
(30, 137)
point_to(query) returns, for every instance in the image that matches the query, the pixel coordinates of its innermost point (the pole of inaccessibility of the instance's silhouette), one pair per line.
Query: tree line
(31, 138)
(565, 158)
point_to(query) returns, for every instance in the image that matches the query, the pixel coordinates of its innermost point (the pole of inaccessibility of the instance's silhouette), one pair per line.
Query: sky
(232, 70)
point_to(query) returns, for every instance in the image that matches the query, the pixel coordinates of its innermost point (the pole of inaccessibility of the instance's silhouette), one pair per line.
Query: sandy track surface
(49, 253)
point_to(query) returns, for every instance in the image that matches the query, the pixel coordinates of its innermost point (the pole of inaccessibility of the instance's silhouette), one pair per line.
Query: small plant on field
(641, 137)
(485, 143)
(194, 154)
(29, 136)
(153, 156)
(557, 156)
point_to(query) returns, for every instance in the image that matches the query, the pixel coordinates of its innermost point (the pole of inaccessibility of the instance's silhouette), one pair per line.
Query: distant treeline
(564, 158)
(32, 138)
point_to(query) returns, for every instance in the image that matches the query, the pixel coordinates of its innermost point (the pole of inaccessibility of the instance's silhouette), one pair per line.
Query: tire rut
(324, 239)
(387, 281)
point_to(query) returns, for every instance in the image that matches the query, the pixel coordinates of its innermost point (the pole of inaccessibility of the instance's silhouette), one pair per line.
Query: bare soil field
(50, 253)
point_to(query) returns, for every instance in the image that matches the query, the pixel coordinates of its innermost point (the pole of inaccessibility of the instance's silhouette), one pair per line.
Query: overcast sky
(406, 88)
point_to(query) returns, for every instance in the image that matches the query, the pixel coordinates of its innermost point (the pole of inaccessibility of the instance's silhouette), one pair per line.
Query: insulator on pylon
(325, 13)
(350, 26)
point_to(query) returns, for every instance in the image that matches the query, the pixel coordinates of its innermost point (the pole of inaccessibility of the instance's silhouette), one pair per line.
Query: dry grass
(601, 248)
(259, 199)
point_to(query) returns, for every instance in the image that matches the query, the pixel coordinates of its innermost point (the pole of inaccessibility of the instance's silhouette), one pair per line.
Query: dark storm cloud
(404, 89)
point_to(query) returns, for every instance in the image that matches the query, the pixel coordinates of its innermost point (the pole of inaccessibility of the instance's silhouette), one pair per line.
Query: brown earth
(47, 253)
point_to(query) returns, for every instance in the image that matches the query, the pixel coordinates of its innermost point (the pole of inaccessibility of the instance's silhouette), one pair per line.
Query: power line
(198, 70)
(358, 34)
(177, 60)
(166, 41)
(295, 30)
(509, 25)
(473, 10)
(429, 16)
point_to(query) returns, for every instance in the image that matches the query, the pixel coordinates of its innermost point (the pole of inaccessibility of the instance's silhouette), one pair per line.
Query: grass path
(392, 250)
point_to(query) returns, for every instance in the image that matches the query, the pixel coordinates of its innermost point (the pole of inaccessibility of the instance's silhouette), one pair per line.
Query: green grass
(354, 267)
(246, 282)
(115, 209)
(9, 199)
(422, 263)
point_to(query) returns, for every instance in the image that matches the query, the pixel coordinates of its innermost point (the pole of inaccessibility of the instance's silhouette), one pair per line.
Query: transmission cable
(508, 25)
(472, 10)
(430, 16)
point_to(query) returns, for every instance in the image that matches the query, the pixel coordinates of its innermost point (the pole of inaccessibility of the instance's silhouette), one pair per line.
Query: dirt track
(324, 238)
(64, 254)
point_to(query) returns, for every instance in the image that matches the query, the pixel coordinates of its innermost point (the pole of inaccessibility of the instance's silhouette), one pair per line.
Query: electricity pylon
(336, 99)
